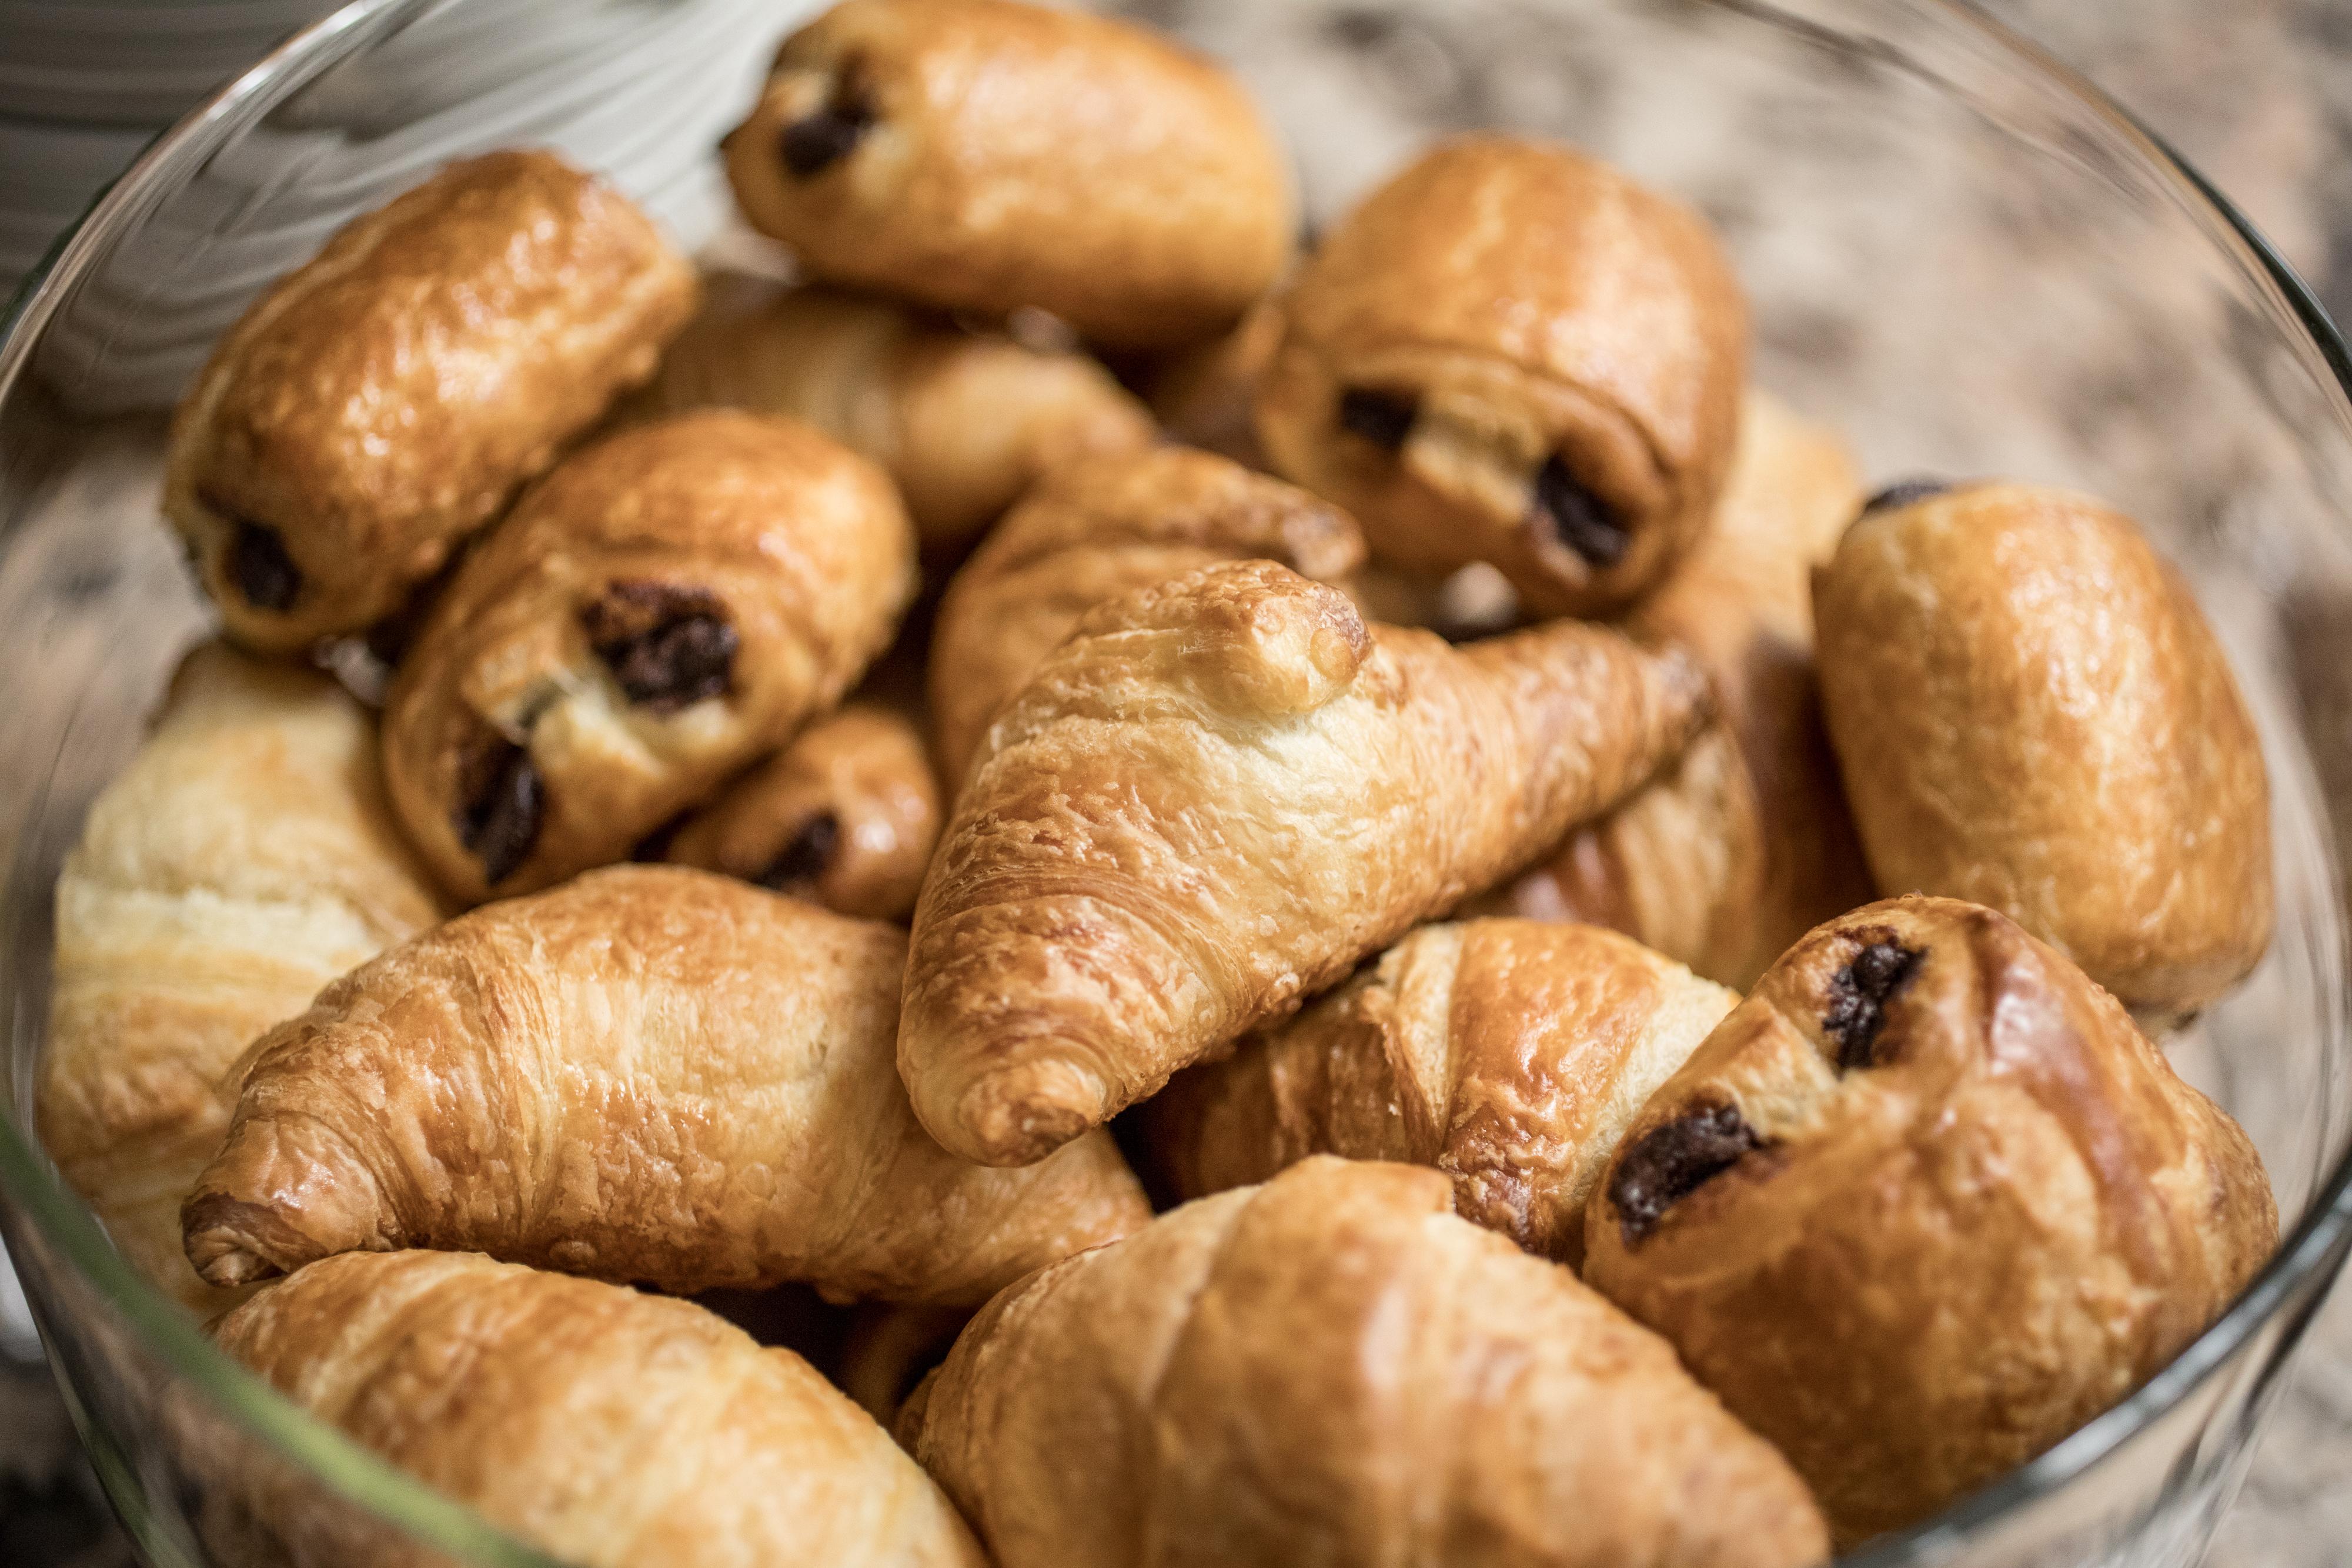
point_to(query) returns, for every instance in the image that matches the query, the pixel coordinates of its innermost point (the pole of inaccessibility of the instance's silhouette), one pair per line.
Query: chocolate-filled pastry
(1509, 1054)
(1746, 843)
(1331, 1368)
(1205, 395)
(1512, 353)
(242, 859)
(846, 816)
(1209, 803)
(964, 421)
(983, 155)
(608, 1427)
(665, 607)
(2031, 713)
(1923, 1205)
(1089, 534)
(385, 398)
(650, 1074)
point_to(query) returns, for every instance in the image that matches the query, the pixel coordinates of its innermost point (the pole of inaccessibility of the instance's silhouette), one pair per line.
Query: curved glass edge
(2318, 1248)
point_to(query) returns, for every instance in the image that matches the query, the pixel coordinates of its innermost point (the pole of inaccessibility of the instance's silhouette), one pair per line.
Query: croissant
(664, 608)
(1746, 843)
(2032, 714)
(1204, 396)
(1923, 1205)
(1332, 1369)
(649, 1073)
(384, 399)
(846, 816)
(244, 859)
(963, 422)
(888, 1351)
(608, 1428)
(1089, 534)
(1211, 802)
(1507, 1053)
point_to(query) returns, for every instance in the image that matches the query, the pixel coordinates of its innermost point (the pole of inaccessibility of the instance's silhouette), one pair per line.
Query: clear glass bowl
(1960, 254)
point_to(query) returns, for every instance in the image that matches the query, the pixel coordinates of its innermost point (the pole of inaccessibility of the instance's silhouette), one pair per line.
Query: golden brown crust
(598, 1424)
(963, 420)
(244, 859)
(985, 155)
(846, 816)
(650, 1074)
(1507, 1053)
(1209, 803)
(1747, 843)
(385, 398)
(1541, 363)
(2031, 713)
(1923, 1205)
(665, 606)
(1331, 1368)
(1095, 531)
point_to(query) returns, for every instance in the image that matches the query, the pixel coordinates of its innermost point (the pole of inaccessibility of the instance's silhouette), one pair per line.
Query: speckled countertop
(2259, 93)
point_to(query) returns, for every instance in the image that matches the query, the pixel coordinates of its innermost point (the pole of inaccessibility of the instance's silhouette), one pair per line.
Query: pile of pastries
(1365, 906)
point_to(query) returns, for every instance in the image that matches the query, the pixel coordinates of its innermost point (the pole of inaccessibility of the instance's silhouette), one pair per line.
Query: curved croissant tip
(1282, 647)
(1019, 1116)
(217, 1233)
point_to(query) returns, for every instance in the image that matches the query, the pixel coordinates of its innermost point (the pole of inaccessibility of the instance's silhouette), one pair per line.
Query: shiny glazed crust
(1518, 302)
(788, 546)
(1091, 533)
(1923, 1205)
(611, 1429)
(2030, 713)
(651, 1073)
(1333, 1368)
(963, 420)
(244, 859)
(385, 400)
(1507, 1053)
(992, 155)
(1209, 803)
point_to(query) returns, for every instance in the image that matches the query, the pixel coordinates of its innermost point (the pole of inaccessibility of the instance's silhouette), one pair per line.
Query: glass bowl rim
(2317, 1245)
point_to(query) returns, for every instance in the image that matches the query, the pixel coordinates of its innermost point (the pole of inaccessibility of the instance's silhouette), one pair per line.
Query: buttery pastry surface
(1209, 803)
(963, 420)
(1509, 1054)
(650, 1074)
(1332, 1368)
(985, 155)
(242, 859)
(2030, 713)
(385, 400)
(666, 606)
(1090, 533)
(1923, 1205)
(1512, 353)
(611, 1429)
(1747, 843)
(846, 816)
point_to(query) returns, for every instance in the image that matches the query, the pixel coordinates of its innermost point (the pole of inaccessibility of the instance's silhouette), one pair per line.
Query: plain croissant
(650, 1074)
(1333, 1369)
(611, 1429)
(1511, 1054)
(244, 859)
(1209, 803)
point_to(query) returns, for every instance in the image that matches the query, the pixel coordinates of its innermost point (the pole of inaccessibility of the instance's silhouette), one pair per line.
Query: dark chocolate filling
(504, 802)
(1903, 492)
(1382, 418)
(667, 645)
(815, 142)
(262, 570)
(1667, 1163)
(1858, 996)
(1565, 511)
(803, 861)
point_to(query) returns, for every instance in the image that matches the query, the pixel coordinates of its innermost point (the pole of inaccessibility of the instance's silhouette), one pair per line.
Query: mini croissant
(846, 816)
(1209, 803)
(664, 608)
(611, 1429)
(1923, 1205)
(965, 422)
(650, 1074)
(1331, 1368)
(244, 858)
(1091, 533)
(1511, 1054)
